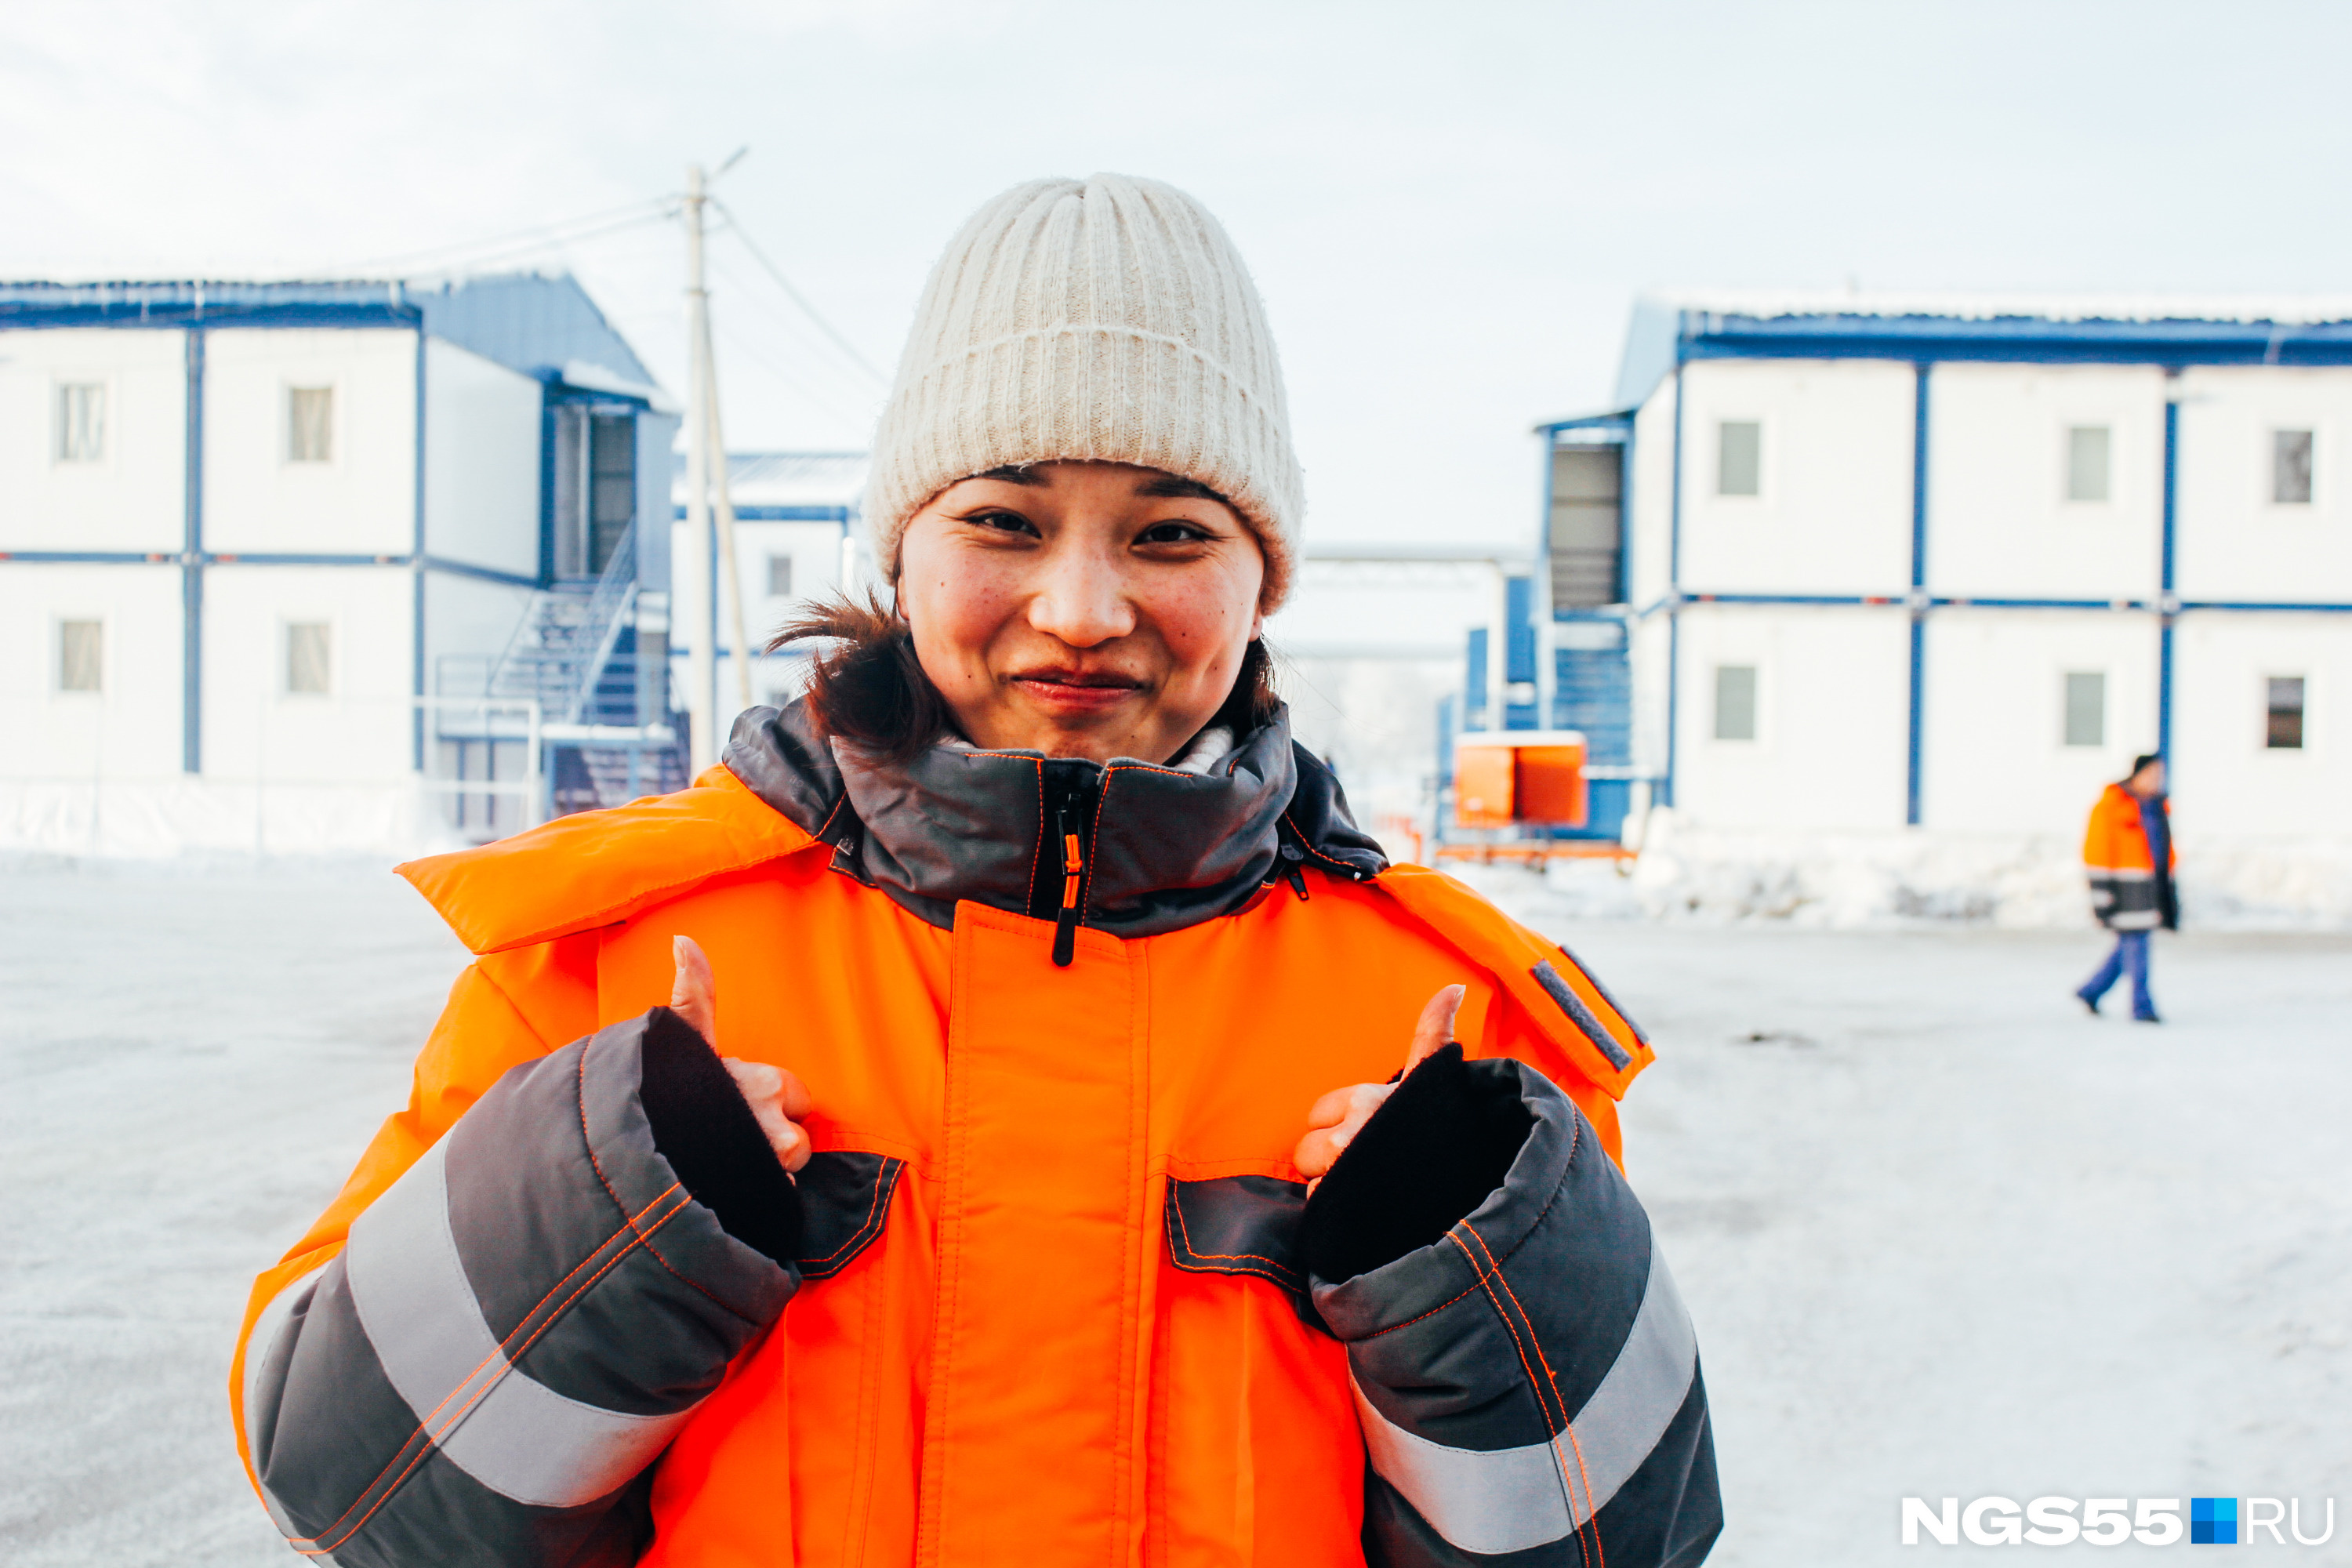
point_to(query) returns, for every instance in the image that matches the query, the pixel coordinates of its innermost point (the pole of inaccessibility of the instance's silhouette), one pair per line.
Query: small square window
(2086, 462)
(1739, 458)
(310, 425)
(309, 653)
(2284, 730)
(82, 423)
(780, 577)
(2086, 707)
(2291, 468)
(81, 656)
(1735, 702)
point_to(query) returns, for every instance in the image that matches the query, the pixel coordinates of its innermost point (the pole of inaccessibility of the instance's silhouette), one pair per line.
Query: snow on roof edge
(2288, 309)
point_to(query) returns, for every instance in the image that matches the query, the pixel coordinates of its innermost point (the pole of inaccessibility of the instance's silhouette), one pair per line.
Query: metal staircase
(576, 656)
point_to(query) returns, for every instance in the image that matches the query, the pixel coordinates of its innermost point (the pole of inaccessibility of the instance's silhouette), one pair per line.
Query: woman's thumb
(1436, 1026)
(692, 995)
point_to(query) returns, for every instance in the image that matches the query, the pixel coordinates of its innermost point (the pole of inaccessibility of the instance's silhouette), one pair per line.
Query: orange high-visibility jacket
(1044, 1294)
(2128, 890)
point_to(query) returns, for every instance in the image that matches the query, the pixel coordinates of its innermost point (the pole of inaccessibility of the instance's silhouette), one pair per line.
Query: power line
(735, 227)
(813, 350)
(536, 237)
(808, 394)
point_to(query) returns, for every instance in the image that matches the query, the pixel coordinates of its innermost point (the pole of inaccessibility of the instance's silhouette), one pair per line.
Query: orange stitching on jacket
(1566, 1423)
(424, 1424)
(1310, 848)
(1176, 1205)
(423, 1427)
(879, 1177)
(433, 1439)
(1552, 1438)
(588, 1142)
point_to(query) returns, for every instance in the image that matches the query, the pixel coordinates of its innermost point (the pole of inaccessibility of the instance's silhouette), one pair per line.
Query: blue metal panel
(417, 573)
(1666, 796)
(94, 557)
(1622, 419)
(2164, 652)
(655, 434)
(1519, 617)
(835, 514)
(528, 322)
(180, 304)
(1474, 688)
(1594, 692)
(1916, 742)
(481, 573)
(192, 568)
(2029, 339)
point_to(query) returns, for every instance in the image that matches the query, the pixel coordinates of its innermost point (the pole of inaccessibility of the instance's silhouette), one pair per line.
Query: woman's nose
(1082, 601)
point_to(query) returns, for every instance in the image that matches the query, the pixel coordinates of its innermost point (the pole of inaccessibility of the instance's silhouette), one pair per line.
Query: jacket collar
(1167, 848)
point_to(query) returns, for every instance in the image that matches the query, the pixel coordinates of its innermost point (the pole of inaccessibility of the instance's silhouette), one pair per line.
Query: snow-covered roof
(1926, 326)
(825, 481)
(2287, 309)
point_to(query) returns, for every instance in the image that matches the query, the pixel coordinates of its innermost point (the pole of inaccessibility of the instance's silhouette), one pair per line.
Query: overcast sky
(1449, 207)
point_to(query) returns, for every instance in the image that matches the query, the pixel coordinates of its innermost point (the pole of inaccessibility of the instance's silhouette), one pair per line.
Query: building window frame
(72, 443)
(297, 431)
(1752, 458)
(72, 662)
(306, 658)
(1736, 704)
(2283, 473)
(2286, 713)
(2082, 710)
(2075, 471)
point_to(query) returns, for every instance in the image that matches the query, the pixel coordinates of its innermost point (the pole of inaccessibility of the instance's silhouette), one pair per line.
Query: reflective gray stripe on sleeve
(1510, 1499)
(1556, 985)
(257, 1346)
(514, 1434)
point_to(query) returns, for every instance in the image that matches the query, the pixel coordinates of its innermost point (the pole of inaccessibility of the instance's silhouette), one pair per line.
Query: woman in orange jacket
(1007, 1112)
(2127, 849)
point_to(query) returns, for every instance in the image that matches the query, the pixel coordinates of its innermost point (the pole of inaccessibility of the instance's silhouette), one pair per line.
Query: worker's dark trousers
(2130, 954)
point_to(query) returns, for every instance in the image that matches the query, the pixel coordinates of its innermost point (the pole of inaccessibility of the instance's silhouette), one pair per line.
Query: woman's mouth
(1076, 692)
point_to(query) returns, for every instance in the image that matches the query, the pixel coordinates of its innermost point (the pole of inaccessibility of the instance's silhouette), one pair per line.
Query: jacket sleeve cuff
(702, 1126)
(1439, 1147)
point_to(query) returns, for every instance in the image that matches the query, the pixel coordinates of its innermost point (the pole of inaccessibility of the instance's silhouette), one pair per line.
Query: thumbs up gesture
(1333, 1121)
(777, 1097)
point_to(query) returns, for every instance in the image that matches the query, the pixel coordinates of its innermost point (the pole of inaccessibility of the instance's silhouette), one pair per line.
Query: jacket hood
(1165, 847)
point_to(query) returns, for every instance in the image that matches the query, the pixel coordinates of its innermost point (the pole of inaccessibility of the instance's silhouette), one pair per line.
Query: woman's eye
(1173, 534)
(1005, 522)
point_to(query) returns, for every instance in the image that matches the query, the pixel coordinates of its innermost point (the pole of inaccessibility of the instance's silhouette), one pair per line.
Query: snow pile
(1867, 880)
(153, 820)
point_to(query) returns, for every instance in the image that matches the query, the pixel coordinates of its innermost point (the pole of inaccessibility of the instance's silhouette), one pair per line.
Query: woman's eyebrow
(1176, 484)
(1017, 474)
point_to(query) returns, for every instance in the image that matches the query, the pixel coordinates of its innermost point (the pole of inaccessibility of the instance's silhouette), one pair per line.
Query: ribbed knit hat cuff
(895, 494)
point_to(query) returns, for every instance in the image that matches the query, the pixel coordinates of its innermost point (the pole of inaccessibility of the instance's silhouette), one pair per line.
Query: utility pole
(706, 468)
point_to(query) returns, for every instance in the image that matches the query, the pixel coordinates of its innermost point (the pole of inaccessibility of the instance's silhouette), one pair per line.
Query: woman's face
(1089, 610)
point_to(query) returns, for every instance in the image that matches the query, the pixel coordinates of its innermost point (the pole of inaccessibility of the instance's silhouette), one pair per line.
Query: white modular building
(796, 540)
(282, 564)
(1923, 574)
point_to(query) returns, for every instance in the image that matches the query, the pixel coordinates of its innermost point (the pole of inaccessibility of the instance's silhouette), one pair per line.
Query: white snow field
(1943, 1235)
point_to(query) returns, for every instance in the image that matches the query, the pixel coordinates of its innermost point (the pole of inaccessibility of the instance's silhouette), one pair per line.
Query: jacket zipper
(1068, 793)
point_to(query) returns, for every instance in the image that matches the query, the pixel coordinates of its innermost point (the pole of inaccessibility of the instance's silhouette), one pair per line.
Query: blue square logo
(2214, 1521)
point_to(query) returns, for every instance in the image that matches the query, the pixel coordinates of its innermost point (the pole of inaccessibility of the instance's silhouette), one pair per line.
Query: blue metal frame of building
(464, 313)
(1665, 340)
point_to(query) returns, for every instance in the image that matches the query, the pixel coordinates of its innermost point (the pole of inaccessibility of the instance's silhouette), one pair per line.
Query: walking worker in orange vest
(2129, 848)
(1006, 1113)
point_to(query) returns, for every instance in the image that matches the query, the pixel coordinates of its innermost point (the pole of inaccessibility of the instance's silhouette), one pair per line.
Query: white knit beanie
(1107, 318)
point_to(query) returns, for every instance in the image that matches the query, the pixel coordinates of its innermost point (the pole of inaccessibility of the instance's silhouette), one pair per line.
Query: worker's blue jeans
(2130, 954)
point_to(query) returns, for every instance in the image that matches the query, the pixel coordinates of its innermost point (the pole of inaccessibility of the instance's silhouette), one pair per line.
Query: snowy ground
(1943, 1235)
